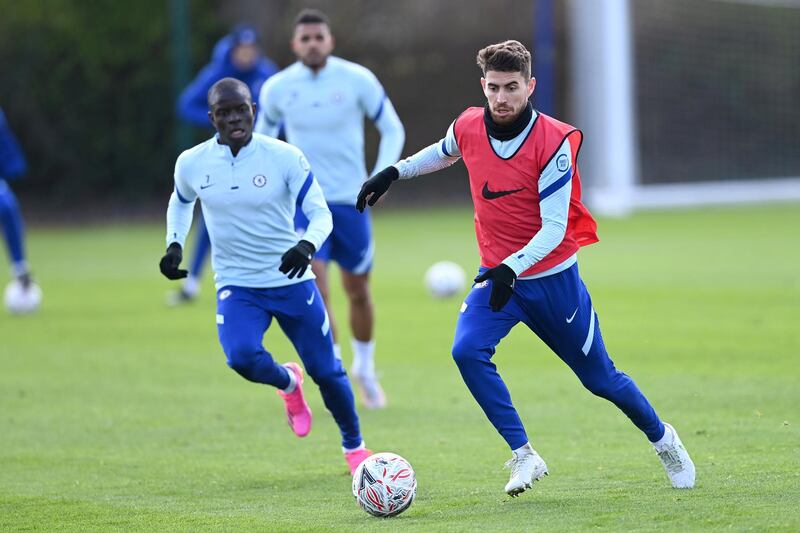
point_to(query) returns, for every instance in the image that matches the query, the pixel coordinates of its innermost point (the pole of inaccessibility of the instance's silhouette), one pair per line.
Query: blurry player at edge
(13, 165)
(248, 186)
(530, 223)
(322, 101)
(237, 55)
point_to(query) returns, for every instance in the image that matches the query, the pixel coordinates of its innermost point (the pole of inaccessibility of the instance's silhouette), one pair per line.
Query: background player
(322, 100)
(248, 186)
(237, 55)
(13, 165)
(529, 223)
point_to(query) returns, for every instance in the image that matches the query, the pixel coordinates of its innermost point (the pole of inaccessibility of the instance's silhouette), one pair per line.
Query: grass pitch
(118, 413)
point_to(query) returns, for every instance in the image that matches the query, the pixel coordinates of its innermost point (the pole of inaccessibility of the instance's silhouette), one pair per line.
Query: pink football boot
(355, 458)
(297, 411)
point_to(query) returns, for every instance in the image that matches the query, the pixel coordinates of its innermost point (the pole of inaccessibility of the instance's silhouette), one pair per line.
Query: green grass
(118, 413)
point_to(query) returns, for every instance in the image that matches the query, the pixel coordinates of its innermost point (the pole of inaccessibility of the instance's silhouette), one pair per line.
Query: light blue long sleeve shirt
(323, 115)
(248, 202)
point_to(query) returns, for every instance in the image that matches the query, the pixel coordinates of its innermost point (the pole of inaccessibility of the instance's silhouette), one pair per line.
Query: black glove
(376, 186)
(297, 258)
(169, 263)
(502, 285)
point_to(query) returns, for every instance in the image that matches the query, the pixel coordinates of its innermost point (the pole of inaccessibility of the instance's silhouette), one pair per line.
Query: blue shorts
(350, 243)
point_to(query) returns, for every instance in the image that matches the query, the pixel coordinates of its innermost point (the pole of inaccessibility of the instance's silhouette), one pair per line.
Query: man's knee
(467, 349)
(243, 357)
(322, 372)
(357, 290)
(605, 385)
(359, 298)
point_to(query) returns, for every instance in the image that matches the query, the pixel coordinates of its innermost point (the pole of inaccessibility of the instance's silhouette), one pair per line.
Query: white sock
(359, 447)
(525, 449)
(191, 286)
(292, 382)
(663, 441)
(364, 357)
(337, 351)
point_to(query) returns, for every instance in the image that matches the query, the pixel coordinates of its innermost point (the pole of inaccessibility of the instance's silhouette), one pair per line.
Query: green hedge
(88, 89)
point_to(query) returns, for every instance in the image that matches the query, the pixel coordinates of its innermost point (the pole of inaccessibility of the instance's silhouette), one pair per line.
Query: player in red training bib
(530, 224)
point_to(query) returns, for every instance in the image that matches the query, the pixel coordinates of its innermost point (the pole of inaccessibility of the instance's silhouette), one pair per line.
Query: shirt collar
(322, 72)
(225, 150)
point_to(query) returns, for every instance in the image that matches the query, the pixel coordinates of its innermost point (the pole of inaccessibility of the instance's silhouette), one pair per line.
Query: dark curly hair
(508, 56)
(311, 16)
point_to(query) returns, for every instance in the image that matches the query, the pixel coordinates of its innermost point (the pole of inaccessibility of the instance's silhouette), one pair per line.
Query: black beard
(506, 132)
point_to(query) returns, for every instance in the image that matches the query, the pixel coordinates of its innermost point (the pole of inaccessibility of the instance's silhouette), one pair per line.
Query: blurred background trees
(89, 85)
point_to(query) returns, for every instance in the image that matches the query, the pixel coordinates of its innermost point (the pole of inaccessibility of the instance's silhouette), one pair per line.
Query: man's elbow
(399, 129)
(321, 216)
(557, 228)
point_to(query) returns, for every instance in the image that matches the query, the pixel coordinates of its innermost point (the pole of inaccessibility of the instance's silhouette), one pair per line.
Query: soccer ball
(20, 300)
(384, 484)
(444, 279)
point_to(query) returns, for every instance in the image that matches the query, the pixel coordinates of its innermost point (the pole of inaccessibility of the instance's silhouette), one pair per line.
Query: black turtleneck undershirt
(506, 132)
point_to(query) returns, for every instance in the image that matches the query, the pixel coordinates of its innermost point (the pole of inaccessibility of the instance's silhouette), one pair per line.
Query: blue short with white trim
(558, 309)
(350, 243)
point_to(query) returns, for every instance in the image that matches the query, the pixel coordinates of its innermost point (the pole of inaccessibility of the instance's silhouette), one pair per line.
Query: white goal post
(603, 104)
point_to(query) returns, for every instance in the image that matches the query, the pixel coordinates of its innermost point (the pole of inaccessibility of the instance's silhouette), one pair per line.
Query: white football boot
(369, 388)
(526, 467)
(676, 460)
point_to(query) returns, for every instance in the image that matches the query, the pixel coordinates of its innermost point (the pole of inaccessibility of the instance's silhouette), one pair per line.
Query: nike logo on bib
(493, 195)
(311, 300)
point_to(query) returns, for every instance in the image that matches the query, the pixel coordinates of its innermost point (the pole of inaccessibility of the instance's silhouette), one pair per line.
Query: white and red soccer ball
(384, 484)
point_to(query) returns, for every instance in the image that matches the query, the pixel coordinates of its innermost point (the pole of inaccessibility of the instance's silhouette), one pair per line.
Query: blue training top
(193, 102)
